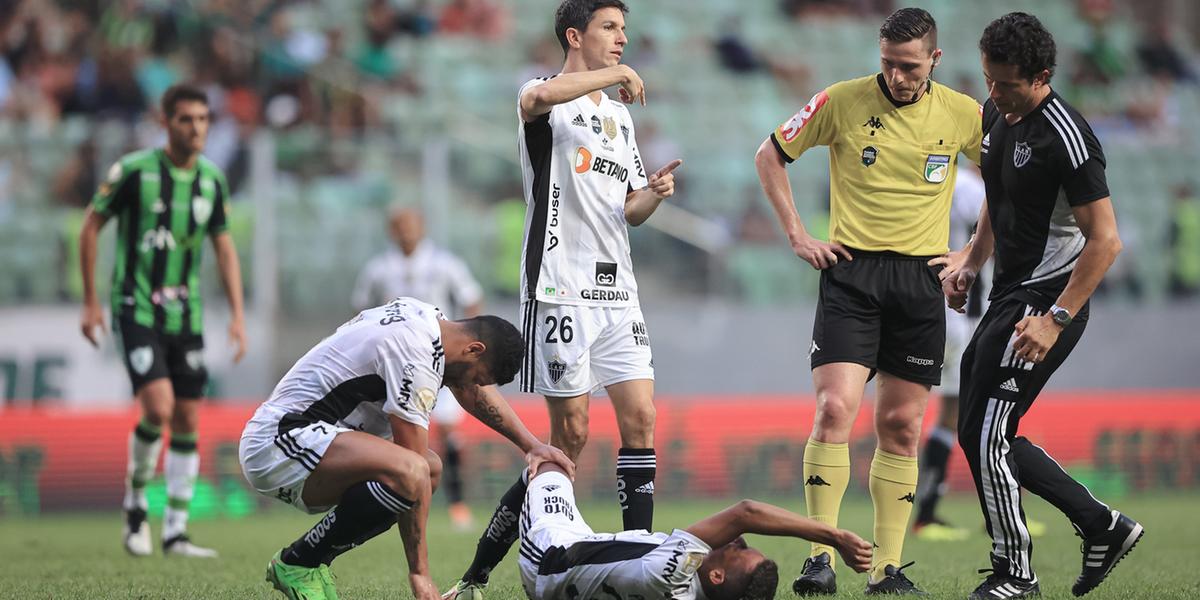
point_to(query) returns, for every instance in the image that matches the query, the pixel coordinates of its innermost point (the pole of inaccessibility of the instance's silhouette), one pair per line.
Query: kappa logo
(141, 358)
(909, 498)
(1021, 154)
(813, 348)
(874, 123)
(578, 121)
(816, 480)
(160, 238)
(1010, 386)
(557, 368)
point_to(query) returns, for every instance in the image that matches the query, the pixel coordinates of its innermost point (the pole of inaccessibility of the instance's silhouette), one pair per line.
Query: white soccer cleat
(137, 533)
(180, 545)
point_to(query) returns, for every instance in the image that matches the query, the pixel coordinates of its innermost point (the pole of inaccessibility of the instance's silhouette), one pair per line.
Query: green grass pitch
(79, 556)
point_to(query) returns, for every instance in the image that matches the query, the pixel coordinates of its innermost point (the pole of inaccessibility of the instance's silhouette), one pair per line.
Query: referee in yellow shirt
(894, 139)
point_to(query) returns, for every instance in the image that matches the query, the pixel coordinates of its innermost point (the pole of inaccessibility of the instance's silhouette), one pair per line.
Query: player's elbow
(767, 156)
(747, 511)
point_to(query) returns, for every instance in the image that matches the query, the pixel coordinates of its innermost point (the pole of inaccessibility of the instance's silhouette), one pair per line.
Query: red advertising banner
(55, 459)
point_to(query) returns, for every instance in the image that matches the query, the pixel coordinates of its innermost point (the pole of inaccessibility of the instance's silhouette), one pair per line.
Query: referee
(1049, 218)
(893, 138)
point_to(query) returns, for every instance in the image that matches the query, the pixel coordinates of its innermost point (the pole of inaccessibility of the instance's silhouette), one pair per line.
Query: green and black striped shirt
(164, 214)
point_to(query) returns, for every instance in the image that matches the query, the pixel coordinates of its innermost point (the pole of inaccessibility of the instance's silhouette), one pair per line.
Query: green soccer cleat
(300, 583)
(462, 590)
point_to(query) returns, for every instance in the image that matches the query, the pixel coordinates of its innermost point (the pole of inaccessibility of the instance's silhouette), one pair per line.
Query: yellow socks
(826, 474)
(893, 487)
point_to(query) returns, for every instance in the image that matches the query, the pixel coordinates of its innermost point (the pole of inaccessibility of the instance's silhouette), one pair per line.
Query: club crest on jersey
(937, 166)
(610, 127)
(1021, 154)
(140, 359)
(869, 154)
(595, 125)
(606, 274)
(557, 368)
(201, 209)
(625, 132)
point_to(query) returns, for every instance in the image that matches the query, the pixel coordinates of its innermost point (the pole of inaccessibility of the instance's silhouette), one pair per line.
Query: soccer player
(1049, 219)
(894, 138)
(584, 183)
(347, 426)
(166, 200)
(935, 458)
(418, 268)
(561, 557)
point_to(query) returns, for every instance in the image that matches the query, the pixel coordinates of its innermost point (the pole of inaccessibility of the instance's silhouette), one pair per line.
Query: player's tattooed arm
(486, 404)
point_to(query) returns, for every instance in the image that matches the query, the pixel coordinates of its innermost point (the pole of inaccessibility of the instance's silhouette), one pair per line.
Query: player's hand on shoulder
(818, 253)
(90, 321)
(662, 181)
(854, 550)
(632, 89)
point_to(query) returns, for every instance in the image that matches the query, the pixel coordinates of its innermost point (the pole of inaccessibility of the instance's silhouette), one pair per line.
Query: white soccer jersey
(969, 194)
(387, 360)
(578, 162)
(628, 564)
(430, 274)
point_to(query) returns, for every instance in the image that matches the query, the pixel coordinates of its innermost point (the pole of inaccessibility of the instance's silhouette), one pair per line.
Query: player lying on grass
(562, 558)
(347, 426)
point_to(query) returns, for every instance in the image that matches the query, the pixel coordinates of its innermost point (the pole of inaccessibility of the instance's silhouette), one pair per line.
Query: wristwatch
(1061, 316)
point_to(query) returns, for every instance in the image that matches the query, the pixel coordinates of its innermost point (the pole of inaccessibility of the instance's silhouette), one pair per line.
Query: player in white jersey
(584, 184)
(347, 426)
(418, 268)
(562, 558)
(969, 196)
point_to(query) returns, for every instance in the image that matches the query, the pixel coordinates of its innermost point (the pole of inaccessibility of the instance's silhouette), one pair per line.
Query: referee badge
(937, 166)
(1021, 154)
(869, 155)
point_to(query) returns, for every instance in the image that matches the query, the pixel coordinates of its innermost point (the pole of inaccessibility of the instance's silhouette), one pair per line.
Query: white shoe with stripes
(1102, 552)
(1001, 586)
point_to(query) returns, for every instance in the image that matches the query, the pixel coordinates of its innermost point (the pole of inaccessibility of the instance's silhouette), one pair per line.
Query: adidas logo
(816, 480)
(908, 497)
(578, 121)
(551, 487)
(1010, 385)
(645, 488)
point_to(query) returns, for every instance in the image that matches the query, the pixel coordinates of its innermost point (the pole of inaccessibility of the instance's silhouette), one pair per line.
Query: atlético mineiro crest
(557, 369)
(1021, 154)
(141, 359)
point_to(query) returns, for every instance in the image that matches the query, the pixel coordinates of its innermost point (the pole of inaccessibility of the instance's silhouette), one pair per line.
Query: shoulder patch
(792, 127)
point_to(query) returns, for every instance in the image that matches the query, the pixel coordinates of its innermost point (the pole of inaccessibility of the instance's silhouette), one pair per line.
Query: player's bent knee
(407, 474)
(435, 468)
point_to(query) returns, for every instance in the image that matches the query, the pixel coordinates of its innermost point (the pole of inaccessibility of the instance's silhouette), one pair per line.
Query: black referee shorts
(885, 311)
(150, 355)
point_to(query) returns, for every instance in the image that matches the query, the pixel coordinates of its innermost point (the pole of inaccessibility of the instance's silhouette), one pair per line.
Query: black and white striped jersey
(386, 360)
(578, 162)
(1035, 171)
(629, 564)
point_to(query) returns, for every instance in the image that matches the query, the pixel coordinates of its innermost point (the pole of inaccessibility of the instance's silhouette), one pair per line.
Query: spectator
(481, 18)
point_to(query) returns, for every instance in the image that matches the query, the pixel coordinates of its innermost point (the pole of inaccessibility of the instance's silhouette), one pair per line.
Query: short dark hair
(577, 14)
(761, 583)
(505, 349)
(909, 24)
(1019, 39)
(178, 93)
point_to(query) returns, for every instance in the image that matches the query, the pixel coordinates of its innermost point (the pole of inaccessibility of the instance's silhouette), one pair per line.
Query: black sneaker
(894, 582)
(1000, 586)
(817, 578)
(1103, 551)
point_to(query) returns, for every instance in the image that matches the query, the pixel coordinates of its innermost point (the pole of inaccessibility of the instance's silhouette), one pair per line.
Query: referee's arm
(772, 174)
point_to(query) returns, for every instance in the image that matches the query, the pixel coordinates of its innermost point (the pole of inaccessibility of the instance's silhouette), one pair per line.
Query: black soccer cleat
(1103, 551)
(1002, 586)
(894, 582)
(816, 578)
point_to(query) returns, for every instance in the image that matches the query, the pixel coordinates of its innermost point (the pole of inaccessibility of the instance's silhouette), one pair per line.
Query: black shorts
(151, 355)
(885, 311)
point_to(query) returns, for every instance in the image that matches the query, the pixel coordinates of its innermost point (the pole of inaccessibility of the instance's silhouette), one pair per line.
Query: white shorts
(572, 350)
(959, 329)
(278, 465)
(447, 411)
(548, 518)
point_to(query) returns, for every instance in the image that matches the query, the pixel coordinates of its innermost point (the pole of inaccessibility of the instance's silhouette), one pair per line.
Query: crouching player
(561, 557)
(346, 431)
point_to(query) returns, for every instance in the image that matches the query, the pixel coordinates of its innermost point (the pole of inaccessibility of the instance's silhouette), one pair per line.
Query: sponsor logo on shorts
(141, 358)
(640, 337)
(916, 360)
(557, 505)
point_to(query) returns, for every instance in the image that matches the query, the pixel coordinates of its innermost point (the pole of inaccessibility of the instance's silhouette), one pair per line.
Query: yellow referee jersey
(892, 164)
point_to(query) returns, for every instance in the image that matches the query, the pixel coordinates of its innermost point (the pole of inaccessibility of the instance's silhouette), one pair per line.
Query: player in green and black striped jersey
(166, 201)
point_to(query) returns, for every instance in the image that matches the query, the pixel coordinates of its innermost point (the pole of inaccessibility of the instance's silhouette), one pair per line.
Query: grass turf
(79, 555)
